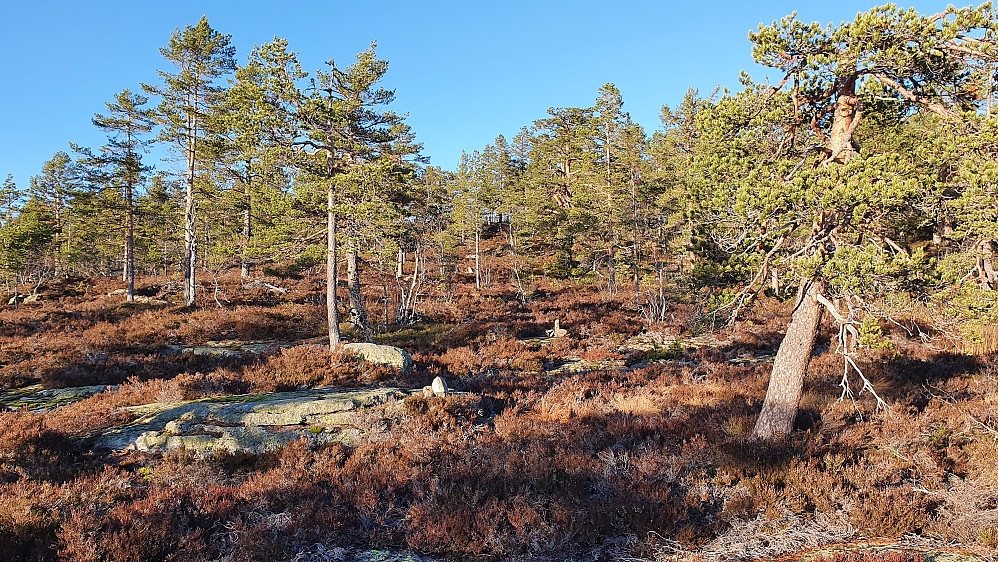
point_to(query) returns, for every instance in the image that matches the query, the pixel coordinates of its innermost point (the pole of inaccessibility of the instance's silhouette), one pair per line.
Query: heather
(637, 450)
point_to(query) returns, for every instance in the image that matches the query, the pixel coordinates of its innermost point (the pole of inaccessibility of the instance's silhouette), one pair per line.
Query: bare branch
(932, 106)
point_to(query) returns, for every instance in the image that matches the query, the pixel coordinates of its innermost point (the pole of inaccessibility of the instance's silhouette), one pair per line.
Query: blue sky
(463, 71)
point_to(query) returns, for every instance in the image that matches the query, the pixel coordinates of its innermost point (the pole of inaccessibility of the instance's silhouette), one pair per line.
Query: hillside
(618, 439)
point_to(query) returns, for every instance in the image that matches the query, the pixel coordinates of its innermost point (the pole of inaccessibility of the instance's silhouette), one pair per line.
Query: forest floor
(620, 440)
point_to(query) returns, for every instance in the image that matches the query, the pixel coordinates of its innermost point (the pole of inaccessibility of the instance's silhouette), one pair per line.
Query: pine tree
(787, 184)
(119, 165)
(9, 198)
(201, 55)
(248, 138)
(57, 188)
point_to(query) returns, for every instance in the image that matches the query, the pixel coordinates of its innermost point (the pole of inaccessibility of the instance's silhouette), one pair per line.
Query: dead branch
(932, 106)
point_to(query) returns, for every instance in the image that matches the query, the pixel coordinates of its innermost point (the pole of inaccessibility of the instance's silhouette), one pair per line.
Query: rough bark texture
(844, 122)
(190, 242)
(985, 265)
(786, 382)
(358, 313)
(478, 262)
(332, 312)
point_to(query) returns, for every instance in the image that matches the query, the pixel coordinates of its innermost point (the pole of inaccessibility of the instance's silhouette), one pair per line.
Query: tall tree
(9, 197)
(25, 243)
(200, 55)
(348, 128)
(119, 165)
(561, 160)
(812, 200)
(57, 187)
(253, 158)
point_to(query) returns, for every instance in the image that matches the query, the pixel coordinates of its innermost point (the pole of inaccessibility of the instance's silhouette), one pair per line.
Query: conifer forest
(766, 329)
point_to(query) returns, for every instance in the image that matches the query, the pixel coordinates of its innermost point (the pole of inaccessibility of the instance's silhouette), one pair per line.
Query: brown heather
(608, 461)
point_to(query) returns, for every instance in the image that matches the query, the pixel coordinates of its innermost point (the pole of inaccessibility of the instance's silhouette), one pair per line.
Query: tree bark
(358, 313)
(190, 242)
(786, 382)
(247, 226)
(985, 265)
(846, 118)
(129, 243)
(332, 312)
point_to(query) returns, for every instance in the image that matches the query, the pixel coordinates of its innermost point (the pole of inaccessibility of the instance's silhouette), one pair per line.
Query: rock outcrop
(250, 423)
(39, 399)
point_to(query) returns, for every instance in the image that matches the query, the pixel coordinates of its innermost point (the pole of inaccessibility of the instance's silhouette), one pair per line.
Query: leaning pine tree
(791, 194)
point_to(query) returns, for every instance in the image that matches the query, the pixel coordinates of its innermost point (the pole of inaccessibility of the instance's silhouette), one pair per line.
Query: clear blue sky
(464, 71)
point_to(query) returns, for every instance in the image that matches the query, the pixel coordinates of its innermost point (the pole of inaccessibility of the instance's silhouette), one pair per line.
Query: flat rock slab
(929, 554)
(39, 399)
(575, 365)
(252, 423)
(227, 348)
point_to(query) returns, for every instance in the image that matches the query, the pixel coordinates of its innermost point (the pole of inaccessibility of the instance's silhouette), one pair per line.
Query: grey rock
(24, 298)
(38, 398)
(253, 423)
(382, 355)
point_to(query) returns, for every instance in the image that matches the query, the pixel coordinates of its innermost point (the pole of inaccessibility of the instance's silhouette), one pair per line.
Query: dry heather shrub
(444, 413)
(891, 512)
(304, 366)
(868, 556)
(27, 521)
(193, 386)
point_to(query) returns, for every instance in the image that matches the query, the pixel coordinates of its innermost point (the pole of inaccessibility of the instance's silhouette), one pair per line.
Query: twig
(949, 403)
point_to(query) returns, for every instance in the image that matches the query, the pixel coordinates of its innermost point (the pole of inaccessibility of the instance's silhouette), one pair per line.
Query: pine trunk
(358, 313)
(841, 145)
(129, 243)
(190, 242)
(332, 312)
(245, 273)
(786, 382)
(478, 262)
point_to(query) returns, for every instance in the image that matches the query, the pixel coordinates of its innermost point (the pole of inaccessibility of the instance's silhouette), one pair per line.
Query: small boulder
(439, 387)
(382, 355)
(428, 392)
(24, 298)
(558, 331)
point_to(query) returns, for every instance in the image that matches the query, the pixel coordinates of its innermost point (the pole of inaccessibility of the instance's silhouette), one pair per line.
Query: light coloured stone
(24, 298)
(250, 423)
(439, 387)
(382, 355)
(37, 398)
(558, 331)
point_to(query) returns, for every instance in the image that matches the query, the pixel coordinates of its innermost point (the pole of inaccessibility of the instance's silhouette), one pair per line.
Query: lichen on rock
(382, 355)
